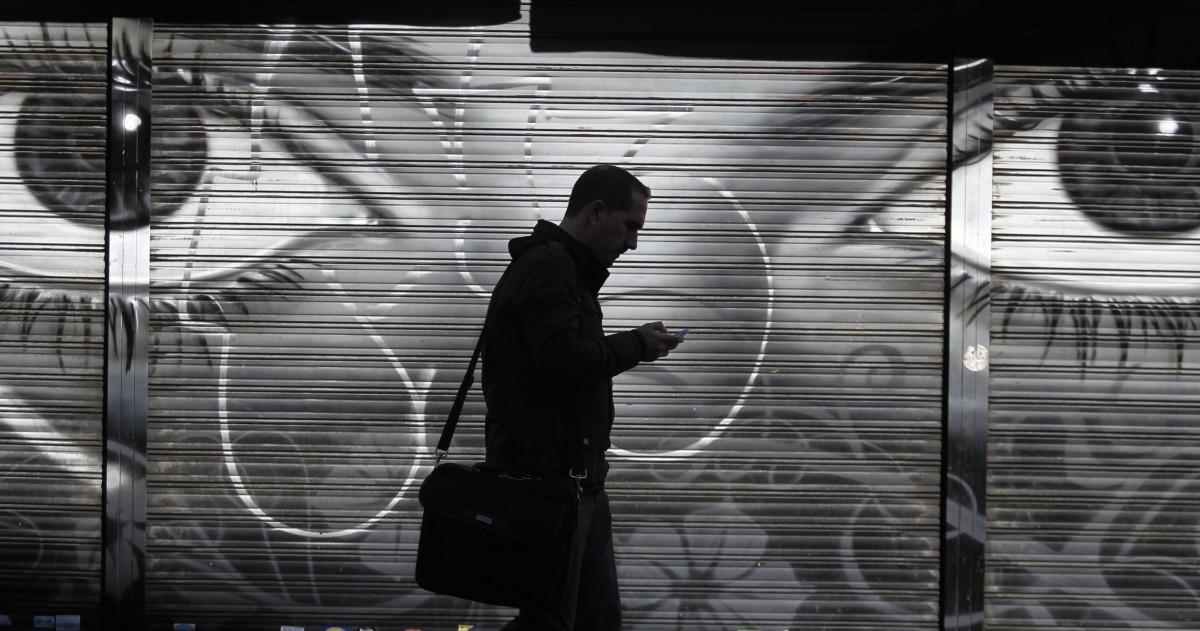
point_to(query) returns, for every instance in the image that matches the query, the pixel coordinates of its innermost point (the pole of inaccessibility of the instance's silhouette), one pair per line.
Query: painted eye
(46, 151)
(1128, 171)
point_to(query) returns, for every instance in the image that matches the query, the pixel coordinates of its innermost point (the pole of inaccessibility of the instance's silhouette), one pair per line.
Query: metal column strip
(127, 317)
(967, 320)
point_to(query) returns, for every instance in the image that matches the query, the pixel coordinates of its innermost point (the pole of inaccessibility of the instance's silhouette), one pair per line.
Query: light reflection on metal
(128, 309)
(967, 321)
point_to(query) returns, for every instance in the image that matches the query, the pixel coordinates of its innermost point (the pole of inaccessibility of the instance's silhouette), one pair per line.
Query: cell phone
(683, 332)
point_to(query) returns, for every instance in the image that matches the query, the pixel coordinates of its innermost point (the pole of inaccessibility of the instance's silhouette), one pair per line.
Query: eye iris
(60, 154)
(1132, 172)
(179, 149)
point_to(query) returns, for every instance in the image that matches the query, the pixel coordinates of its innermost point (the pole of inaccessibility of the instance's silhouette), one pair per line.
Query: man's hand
(659, 342)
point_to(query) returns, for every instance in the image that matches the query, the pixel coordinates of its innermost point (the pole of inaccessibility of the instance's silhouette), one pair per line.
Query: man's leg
(599, 602)
(561, 619)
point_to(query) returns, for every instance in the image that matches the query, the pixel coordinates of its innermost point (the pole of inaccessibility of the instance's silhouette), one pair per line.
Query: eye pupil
(1131, 172)
(1170, 144)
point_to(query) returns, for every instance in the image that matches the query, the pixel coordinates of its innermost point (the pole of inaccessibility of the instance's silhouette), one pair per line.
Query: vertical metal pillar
(968, 315)
(127, 323)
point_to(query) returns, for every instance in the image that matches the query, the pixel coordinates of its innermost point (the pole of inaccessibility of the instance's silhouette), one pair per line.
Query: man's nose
(631, 242)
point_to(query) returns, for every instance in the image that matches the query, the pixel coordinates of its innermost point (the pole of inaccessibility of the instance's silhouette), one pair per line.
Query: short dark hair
(608, 183)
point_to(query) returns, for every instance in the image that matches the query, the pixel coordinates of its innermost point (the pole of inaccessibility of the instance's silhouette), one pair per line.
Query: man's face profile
(613, 232)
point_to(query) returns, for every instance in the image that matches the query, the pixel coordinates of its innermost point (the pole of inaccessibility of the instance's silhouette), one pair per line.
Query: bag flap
(530, 510)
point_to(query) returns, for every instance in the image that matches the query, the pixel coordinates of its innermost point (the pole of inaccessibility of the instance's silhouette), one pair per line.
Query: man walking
(548, 368)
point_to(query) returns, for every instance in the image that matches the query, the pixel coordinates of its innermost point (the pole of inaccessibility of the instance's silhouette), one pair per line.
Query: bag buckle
(579, 478)
(438, 455)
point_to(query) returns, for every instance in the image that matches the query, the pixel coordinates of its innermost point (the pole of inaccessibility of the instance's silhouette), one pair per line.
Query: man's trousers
(593, 600)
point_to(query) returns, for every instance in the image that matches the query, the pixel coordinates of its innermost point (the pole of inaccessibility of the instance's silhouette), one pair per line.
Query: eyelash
(1169, 321)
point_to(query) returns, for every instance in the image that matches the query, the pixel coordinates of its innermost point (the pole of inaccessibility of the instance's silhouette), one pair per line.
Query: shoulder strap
(443, 446)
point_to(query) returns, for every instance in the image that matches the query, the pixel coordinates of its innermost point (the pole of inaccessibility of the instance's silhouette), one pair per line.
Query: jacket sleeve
(551, 315)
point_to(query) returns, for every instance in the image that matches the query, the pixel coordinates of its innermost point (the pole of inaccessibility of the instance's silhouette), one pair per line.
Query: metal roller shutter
(1093, 482)
(331, 207)
(52, 219)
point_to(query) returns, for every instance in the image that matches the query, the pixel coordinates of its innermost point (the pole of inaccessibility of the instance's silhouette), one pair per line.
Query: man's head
(606, 210)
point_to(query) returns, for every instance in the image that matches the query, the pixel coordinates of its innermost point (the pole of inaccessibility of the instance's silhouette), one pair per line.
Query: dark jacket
(546, 360)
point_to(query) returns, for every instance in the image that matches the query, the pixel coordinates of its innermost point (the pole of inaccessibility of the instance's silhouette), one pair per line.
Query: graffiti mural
(330, 207)
(421, 153)
(1095, 327)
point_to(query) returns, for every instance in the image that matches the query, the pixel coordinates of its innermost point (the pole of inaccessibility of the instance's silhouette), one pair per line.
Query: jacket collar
(592, 271)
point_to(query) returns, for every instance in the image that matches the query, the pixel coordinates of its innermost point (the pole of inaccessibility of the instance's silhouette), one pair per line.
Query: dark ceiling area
(1151, 33)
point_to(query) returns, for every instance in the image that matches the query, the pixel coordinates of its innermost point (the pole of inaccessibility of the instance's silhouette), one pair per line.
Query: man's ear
(593, 210)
